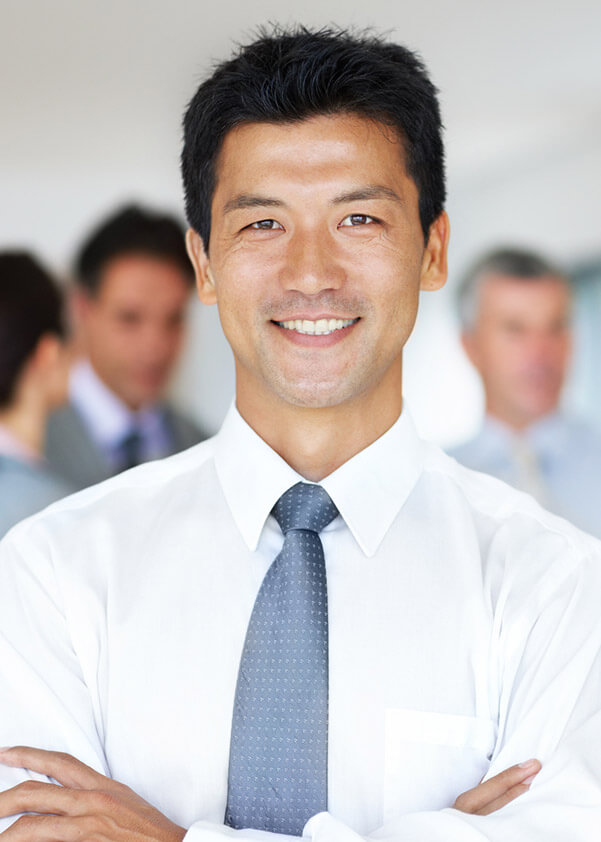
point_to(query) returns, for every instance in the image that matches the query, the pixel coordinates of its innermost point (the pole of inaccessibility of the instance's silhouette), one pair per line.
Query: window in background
(583, 395)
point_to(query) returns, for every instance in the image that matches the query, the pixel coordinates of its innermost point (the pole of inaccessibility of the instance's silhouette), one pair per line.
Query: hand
(86, 806)
(498, 791)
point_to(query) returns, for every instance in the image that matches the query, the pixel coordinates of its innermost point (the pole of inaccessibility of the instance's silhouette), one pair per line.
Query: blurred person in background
(33, 381)
(515, 309)
(133, 282)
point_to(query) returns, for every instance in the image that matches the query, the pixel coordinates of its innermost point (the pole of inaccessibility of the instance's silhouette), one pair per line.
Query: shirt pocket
(431, 758)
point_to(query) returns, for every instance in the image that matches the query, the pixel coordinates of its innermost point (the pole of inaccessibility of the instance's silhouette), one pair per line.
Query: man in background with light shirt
(515, 309)
(314, 623)
(133, 285)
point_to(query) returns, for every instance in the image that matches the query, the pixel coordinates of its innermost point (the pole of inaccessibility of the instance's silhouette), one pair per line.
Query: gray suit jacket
(25, 489)
(73, 454)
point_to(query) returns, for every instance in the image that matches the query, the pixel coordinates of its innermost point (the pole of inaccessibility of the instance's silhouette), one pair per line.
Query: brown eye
(265, 225)
(357, 219)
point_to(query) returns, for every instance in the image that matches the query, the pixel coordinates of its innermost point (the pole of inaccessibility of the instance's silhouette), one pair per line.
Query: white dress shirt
(465, 636)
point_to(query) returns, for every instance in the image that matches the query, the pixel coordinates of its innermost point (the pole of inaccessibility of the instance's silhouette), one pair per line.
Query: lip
(311, 317)
(311, 340)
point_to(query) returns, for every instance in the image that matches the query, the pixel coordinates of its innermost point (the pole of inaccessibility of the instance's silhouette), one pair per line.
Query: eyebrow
(372, 191)
(246, 200)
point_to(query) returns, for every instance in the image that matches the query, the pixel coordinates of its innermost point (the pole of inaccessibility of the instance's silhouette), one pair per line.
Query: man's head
(133, 281)
(515, 315)
(314, 179)
(31, 327)
(287, 77)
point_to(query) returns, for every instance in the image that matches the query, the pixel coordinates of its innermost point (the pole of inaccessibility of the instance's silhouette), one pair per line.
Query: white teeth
(321, 327)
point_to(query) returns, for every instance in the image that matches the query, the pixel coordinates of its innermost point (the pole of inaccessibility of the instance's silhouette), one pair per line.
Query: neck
(315, 442)
(27, 424)
(515, 420)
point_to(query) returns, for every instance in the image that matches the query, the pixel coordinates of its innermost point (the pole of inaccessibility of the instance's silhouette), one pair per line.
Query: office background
(91, 98)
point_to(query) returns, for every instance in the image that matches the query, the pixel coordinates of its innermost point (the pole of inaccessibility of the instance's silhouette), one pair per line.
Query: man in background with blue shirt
(515, 310)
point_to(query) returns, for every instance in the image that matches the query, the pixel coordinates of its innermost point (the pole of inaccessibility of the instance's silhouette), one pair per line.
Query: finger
(476, 799)
(504, 799)
(55, 764)
(40, 797)
(47, 829)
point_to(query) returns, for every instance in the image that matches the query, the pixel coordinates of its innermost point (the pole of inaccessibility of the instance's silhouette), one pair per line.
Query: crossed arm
(85, 805)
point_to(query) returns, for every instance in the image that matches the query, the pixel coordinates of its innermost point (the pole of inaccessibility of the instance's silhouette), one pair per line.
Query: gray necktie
(278, 752)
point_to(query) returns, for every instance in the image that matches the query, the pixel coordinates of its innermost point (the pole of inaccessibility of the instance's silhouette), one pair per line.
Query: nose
(159, 342)
(311, 264)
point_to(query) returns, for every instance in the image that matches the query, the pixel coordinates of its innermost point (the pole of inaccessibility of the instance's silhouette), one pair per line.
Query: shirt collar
(547, 436)
(107, 417)
(368, 490)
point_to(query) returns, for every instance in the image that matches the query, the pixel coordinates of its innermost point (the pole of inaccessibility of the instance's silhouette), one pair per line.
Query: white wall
(91, 98)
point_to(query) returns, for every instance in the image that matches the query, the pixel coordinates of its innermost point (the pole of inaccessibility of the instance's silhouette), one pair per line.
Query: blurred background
(92, 94)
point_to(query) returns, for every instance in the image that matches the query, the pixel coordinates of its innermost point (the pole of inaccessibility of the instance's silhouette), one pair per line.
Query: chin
(315, 396)
(140, 398)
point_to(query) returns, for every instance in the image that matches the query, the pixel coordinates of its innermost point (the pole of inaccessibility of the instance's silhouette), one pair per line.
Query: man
(515, 309)
(191, 651)
(33, 381)
(133, 283)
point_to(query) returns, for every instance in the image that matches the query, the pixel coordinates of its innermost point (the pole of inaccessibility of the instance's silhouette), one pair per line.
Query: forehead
(138, 275)
(313, 148)
(507, 293)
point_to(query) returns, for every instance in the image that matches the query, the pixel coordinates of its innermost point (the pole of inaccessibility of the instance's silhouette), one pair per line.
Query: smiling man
(315, 623)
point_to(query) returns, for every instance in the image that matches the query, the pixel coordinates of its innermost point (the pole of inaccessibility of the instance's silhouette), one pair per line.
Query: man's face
(316, 259)
(521, 345)
(133, 326)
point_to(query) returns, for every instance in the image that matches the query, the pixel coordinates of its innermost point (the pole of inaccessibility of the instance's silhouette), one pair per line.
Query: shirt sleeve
(44, 698)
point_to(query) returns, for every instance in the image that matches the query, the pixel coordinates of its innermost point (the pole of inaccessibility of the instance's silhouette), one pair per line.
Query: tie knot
(304, 506)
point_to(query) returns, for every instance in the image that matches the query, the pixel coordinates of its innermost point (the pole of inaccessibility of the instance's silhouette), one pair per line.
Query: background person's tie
(278, 753)
(131, 450)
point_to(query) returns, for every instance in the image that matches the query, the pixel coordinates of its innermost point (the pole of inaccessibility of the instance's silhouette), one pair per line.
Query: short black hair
(522, 264)
(288, 76)
(31, 306)
(131, 230)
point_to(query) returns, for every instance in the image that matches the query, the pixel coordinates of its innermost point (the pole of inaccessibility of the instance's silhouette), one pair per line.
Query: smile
(321, 327)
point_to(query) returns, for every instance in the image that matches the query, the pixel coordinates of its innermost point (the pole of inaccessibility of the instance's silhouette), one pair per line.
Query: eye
(357, 219)
(266, 225)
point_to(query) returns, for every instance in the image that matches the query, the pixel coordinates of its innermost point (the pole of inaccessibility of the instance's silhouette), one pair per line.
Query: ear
(48, 350)
(434, 261)
(44, 356)
(79, 304)
(205, 283)
(470, 346)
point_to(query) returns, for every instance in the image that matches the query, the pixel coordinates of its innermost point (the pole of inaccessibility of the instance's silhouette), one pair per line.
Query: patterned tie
(278, 752)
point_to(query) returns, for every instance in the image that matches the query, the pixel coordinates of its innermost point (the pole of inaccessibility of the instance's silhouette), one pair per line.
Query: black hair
(288, 76)
(30, 308)
(131, 230)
